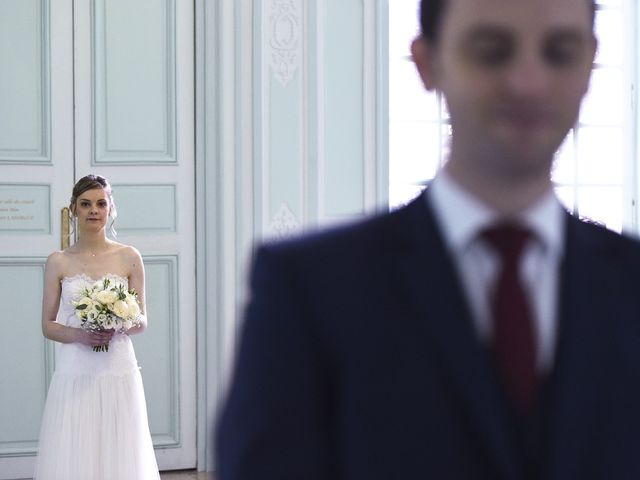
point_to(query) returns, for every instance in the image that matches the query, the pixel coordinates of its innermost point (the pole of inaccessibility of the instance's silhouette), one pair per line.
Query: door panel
(36, 174)
(134, 125)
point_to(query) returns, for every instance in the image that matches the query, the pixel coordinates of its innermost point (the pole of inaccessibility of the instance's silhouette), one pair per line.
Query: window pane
(602, 204)
(415, 149)
(403, 27)
(600, 156)
(603, 103)
(564, 165)
(402, 194)
(611, 43)
(613, 3)
(567, 196)
(408, 99)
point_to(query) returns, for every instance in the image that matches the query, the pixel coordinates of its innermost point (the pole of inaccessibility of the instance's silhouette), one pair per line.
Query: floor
(186, 475)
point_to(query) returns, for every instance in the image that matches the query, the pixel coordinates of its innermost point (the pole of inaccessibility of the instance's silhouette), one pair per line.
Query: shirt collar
(462, 216)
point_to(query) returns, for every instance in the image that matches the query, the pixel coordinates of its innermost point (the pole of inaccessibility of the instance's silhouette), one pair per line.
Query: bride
(94, 424)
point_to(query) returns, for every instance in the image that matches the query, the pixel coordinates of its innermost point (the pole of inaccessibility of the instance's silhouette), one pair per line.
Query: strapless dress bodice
(79, 359)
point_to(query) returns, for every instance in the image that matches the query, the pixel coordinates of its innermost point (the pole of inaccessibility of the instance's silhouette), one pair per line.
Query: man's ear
(423, 55)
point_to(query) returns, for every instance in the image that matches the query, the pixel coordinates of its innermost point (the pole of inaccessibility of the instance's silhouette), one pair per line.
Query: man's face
(513, 73)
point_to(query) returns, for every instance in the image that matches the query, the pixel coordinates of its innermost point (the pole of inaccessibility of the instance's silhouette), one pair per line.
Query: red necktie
(514, 344)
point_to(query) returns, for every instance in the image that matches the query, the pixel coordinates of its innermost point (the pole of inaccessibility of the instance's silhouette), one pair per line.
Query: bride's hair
(89, 182)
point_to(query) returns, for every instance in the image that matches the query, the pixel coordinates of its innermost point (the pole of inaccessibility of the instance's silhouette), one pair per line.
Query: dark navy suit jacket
(358, 360)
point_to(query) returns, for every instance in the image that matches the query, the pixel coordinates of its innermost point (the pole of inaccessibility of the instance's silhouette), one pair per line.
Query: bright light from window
(592, 167)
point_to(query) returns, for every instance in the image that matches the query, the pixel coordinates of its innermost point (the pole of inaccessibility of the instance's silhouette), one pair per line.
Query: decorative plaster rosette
(284, 223)
(284, 39)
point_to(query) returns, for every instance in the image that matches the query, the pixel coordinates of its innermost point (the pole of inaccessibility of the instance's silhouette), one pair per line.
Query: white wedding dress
(94, 425)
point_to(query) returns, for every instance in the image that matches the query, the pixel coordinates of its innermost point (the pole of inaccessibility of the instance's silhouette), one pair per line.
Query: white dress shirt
(462, 217)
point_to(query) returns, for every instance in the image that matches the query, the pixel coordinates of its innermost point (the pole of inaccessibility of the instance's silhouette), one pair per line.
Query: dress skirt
(94, 425)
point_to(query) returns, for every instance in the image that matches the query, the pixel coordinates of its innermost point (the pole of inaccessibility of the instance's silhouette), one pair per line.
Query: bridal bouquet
(107, 304)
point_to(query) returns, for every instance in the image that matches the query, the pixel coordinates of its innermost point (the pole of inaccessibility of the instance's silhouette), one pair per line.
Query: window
(594, 171)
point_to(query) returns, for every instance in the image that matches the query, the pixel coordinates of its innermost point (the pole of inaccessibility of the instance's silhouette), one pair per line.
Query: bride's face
(92, 209)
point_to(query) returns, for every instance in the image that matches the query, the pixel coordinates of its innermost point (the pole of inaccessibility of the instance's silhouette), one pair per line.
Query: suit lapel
(425, 272)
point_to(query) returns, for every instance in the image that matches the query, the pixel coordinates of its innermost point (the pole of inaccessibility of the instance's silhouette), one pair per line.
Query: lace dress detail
(94, 424)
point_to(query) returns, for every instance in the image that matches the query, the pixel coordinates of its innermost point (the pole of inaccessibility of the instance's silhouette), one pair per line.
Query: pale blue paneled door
(97, 86)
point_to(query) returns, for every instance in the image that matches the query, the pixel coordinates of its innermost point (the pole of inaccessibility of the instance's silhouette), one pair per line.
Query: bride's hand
(94, 338)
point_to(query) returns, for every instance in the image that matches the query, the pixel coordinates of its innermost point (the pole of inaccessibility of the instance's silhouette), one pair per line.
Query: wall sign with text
(25, 209)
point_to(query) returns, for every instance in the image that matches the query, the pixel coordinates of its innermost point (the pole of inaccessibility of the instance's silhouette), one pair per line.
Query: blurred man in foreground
(480, 332)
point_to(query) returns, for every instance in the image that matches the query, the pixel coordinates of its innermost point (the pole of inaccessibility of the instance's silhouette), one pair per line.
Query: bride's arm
(53, 271)
(51, 302)
(136, 283)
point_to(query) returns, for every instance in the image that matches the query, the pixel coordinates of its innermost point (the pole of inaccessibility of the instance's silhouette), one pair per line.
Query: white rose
(106, 297)
(121, 309)
(134, 308)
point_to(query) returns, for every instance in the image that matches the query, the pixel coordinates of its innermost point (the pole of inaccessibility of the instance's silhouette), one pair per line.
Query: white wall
(291, 136)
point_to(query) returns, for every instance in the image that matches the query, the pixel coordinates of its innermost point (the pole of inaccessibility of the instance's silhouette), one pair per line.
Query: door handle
(65, 232)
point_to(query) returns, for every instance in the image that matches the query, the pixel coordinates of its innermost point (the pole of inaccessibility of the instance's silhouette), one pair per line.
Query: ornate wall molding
(284, 223)
(284, 38)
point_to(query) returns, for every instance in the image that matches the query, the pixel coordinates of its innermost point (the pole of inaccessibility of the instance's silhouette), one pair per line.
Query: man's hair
(431, 12)
(430, 16)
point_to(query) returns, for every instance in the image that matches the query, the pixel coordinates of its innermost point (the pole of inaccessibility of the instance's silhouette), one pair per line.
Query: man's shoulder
(605, 242)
